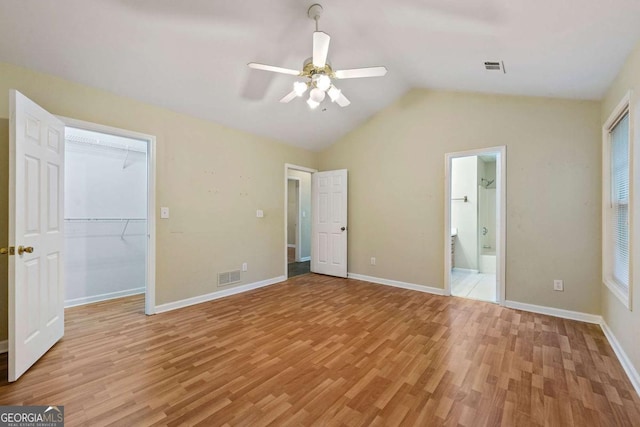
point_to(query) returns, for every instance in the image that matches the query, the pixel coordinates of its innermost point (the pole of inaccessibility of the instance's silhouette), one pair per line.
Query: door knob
(22, 249)
(343, 228)
(7, 251)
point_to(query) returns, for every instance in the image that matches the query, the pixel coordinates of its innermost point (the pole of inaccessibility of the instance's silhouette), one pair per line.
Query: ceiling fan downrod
(314, 12)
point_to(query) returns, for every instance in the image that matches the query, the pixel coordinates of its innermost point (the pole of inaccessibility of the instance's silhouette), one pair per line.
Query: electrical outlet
(373, 260)
(244, 266)
(558, 285)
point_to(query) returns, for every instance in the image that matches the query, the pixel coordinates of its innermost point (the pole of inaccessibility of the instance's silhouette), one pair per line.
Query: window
(620, 200)
(616, 206)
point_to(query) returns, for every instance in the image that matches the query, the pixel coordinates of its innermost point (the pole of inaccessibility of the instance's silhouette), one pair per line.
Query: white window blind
(620, 201)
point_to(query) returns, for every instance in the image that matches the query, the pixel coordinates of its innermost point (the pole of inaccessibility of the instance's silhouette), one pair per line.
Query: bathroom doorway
(475, 230)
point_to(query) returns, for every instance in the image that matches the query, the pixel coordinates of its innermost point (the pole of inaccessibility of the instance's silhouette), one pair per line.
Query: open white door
(329, 225)
(36, 292)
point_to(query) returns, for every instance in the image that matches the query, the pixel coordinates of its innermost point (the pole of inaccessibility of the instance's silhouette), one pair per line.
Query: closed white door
(36, 292)
(329, 225)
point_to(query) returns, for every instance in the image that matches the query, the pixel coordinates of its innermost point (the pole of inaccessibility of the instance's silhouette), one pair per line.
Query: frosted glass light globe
(312, 104)
(334, 93)
(299, 88)
(323, 82)
(316, 95)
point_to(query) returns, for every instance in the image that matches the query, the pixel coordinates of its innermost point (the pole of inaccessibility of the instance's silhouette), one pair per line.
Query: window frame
(620, 291)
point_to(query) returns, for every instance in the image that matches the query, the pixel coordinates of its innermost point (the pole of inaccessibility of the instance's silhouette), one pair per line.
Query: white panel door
(36, 292)
(329, 225)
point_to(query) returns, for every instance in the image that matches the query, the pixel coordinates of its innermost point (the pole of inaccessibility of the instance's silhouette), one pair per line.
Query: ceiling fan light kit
(318, 72)
(334, 93)
(312, 104)
(300, 88)
(322, 81)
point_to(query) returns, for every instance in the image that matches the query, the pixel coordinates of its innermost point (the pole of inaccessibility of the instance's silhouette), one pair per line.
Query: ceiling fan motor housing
(309, 70)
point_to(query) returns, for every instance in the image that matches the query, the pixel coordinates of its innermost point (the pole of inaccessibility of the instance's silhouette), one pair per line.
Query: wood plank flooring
(317, 350)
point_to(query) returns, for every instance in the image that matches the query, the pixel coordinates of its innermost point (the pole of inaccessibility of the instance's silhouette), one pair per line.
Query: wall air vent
(494, 66)
(228, 278)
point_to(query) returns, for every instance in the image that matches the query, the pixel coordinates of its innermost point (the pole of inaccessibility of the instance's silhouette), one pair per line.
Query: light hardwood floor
(327, 351)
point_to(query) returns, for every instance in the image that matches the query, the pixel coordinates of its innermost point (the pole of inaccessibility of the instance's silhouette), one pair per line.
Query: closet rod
(105, 219)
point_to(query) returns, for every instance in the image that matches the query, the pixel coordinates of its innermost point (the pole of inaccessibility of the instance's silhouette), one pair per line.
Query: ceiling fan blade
(289, 97)
(320, 48)
(342, 100)
(273, 69)
(356, 73)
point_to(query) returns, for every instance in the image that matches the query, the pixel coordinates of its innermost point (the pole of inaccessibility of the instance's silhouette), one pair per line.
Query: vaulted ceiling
(191, 56)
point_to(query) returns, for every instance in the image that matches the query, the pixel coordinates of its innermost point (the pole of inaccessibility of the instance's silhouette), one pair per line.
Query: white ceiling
(191, 56)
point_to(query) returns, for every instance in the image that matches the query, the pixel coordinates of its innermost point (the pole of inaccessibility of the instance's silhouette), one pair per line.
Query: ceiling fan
(318, 73)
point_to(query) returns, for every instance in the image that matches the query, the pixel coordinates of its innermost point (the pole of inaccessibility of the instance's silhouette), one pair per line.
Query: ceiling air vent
(494, 66)
(228, 278)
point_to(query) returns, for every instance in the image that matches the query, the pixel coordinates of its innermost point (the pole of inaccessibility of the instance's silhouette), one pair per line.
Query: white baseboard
(4, 346)
(556, 312)
(305, 259)
(397, 284)
(628, 367)
(103, 297)
(290, 245)
(466, 270)
(217, 294)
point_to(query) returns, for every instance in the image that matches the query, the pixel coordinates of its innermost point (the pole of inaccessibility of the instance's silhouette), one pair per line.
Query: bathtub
(488, 261)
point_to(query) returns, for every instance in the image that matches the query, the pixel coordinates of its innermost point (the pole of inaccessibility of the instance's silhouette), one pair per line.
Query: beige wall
(625, 324)
(213, 178)
(396, 190)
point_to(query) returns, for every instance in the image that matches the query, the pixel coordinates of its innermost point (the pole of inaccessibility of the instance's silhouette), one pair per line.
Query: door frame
(287, 168)
(501, 217)
(150, 286)
(298, 232)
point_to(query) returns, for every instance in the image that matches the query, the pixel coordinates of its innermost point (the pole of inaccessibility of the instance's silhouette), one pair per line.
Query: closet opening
(108, 216)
